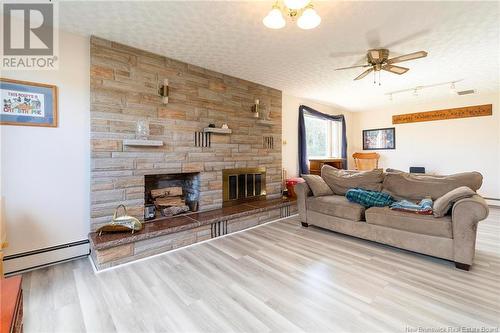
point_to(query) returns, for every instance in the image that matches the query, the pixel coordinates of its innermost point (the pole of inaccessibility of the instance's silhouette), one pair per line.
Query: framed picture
(380, 138)
(28, 103)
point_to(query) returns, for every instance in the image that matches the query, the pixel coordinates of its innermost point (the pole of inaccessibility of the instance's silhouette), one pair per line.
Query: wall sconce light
(164, 91)
(255, 108)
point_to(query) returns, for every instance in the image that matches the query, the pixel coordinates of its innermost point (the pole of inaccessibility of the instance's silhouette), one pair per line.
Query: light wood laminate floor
(279, 277)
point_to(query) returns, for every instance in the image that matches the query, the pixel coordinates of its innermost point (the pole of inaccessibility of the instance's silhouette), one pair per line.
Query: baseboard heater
(25, 261)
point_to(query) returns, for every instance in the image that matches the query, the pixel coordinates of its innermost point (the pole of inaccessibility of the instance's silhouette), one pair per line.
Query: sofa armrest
(465, 215)
(302, 191)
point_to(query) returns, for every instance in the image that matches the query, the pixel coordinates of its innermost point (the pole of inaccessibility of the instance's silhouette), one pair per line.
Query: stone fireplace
(124, 91)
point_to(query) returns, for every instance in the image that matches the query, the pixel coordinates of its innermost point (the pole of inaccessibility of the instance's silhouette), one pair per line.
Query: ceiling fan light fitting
(309, 19)
(274, 20)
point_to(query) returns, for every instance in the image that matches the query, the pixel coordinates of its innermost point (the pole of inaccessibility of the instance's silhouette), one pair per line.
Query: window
(323, 137)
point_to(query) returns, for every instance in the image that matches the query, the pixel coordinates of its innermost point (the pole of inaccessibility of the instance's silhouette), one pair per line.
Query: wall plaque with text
(463, 112)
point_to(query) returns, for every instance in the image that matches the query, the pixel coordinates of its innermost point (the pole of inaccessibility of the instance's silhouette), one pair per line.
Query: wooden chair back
(366, 161)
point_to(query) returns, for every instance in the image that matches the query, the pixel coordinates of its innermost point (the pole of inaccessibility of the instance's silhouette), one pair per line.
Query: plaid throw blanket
(424, 207)
(369, 198)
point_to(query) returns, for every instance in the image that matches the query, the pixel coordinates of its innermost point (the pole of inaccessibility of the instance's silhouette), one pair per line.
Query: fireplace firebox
(171, 194)
(243, 184)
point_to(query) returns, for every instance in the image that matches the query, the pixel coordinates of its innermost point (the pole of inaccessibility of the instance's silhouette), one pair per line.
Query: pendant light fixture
(300, 10)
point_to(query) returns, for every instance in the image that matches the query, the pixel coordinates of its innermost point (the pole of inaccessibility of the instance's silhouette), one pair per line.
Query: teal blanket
(369, 198)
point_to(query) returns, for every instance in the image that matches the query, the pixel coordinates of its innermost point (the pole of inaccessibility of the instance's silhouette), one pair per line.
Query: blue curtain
(305, 110)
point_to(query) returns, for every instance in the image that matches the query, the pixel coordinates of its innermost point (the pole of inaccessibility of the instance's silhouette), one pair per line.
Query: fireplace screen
(243, 184)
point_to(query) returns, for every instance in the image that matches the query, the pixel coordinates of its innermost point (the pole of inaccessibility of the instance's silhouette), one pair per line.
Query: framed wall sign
(28, 103)
(380, 138)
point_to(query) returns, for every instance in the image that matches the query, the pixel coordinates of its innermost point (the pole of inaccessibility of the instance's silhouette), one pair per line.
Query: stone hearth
(166, 234)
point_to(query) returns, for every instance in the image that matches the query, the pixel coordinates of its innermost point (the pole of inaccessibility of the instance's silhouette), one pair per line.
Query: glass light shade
(296, 4)
(274, 20)
(309, 19)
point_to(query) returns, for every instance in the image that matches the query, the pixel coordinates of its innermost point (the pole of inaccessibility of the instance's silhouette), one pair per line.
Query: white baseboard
(493, 202)
(36, 259)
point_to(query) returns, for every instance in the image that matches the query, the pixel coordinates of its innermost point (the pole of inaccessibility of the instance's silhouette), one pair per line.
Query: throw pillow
(443, 204)
(340, 181)
(317, 185)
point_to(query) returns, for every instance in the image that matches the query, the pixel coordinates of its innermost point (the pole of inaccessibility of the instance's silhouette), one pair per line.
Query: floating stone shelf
(144, 143)
(265, 122)
(218, 130)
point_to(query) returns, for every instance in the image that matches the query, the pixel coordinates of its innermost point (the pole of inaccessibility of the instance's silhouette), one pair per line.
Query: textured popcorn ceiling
(462, 39)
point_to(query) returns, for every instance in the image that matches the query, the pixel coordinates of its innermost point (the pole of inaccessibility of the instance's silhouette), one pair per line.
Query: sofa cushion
(419, 186)
(342, 180)
(338, 206)
(318, 185)
(421, 224)
(443, 204)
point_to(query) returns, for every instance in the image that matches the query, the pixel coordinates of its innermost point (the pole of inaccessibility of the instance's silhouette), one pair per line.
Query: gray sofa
(450, 237)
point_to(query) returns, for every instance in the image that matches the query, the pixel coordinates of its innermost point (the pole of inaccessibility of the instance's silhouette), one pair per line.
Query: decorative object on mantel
(121, 223)
(28, 103)
(224, 126)
(142, 143)
(380, 138)
(463, 112)
(265, 113)
(164, 91)
(142, 129)
(211, 125)
(300, 10)
(255, 109)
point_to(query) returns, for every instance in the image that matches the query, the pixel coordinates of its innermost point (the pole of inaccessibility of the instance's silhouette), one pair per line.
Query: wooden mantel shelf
(146, 143)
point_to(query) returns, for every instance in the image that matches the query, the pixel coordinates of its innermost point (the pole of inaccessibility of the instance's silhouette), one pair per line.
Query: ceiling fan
(378, 59)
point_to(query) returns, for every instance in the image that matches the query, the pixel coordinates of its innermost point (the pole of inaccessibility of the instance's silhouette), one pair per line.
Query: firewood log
(167, 192)
(169, 201)
(174, 210)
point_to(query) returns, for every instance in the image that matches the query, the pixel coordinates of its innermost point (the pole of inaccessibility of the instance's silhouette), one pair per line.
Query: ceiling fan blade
(395, 69)
(406, 57)
(357, 66)
(365, 73)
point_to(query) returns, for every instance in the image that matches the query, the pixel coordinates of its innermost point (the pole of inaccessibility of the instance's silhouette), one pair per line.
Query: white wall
(445, 146)
(290, 116)
(45, 171)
